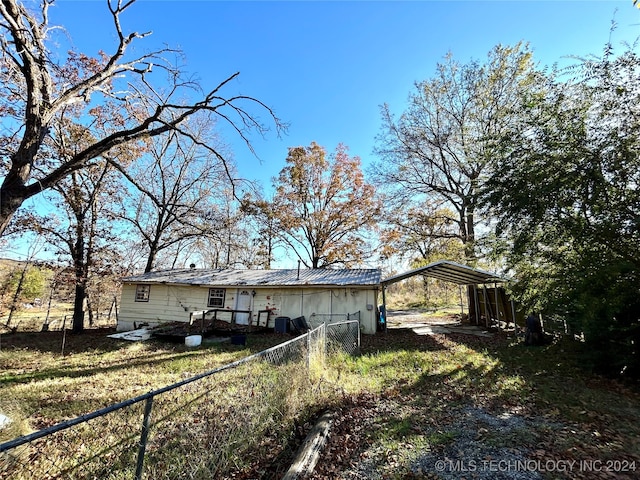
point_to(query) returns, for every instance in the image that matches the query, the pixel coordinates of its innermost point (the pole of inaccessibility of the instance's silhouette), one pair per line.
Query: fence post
(143, 437)
(309, 352)
(326, 342)
(64, 333)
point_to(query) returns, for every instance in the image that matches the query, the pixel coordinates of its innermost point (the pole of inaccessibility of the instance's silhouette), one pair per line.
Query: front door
(243, 303)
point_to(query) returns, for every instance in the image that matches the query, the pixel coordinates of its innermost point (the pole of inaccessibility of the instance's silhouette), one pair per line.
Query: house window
(142, 293)
(216, 297)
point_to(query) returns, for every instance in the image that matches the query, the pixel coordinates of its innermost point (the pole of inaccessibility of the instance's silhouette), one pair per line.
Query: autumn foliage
(323, 207)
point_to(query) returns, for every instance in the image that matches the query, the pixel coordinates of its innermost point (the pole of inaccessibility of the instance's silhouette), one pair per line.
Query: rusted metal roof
(258, 278)
(449, 272)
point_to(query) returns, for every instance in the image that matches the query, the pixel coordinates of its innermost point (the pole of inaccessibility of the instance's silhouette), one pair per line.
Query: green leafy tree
(566, 193)
(31, 286)
(442, 146)
(23, 285)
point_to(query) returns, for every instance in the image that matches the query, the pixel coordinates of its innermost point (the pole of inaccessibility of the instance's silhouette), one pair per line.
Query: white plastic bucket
(193, 340)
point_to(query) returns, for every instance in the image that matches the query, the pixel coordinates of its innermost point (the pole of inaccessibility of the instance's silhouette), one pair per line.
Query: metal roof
(449, 272)
(258, 278)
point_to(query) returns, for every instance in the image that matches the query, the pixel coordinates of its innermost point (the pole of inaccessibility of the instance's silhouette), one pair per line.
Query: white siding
(317, 304)
(166, 304)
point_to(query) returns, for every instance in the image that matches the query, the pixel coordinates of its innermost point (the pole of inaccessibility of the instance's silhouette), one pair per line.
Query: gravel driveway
(460, 441)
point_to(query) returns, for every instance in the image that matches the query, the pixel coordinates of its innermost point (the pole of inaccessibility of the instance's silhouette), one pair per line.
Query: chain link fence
(25, 322)
(344, 336)
(204, 427)
(327, 318)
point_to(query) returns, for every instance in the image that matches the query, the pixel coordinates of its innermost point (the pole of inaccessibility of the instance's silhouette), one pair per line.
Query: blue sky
(326, 67)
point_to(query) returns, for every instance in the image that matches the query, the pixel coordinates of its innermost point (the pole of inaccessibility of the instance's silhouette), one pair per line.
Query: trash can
(282, 325)
(193, 340)
(382, 318)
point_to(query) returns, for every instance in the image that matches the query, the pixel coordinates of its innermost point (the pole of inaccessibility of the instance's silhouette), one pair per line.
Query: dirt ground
(424, 323)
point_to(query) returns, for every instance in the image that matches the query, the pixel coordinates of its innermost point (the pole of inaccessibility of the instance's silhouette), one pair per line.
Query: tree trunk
(81, 269)
(470, 239)
(52, 290)
(93, 318)
(466, 224)
(16, 296)
(150, 259)
(154, 244)
(78, 307)
(114, 302)
(11, 199)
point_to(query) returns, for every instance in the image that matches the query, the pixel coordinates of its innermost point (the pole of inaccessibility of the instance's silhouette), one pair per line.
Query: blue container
(282, 325)
(238, 339)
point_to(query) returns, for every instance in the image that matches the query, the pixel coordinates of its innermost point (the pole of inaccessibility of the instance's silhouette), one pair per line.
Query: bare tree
(264, 224)
(83, 232)
(443, 146)
(215, 234)
(231, 245)
(35, 87)
(185, 183)
(420, 234)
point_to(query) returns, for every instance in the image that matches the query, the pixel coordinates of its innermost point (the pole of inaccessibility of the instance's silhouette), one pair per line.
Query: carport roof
(449, 272)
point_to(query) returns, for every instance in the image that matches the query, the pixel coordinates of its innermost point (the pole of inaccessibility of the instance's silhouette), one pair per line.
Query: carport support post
(477, 302)
(495, 291)
(487, 306)
(384, 306)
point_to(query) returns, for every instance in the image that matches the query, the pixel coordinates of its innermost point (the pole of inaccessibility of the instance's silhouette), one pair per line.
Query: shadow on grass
(51, 342)
(96, 342)
(151, 359)
(552, 370)
(399, 339)
(501, 374)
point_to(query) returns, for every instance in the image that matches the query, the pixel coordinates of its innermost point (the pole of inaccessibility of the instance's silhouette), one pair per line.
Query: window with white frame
(216, 297)
(142, 293)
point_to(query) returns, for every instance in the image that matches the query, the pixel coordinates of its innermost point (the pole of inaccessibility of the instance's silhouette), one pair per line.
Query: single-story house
(255, 297)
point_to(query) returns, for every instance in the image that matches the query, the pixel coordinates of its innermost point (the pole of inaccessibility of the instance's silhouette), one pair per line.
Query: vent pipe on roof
(298, 269)
(192, 266)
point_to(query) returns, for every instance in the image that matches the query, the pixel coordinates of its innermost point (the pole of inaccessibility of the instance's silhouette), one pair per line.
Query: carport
(486, 297)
